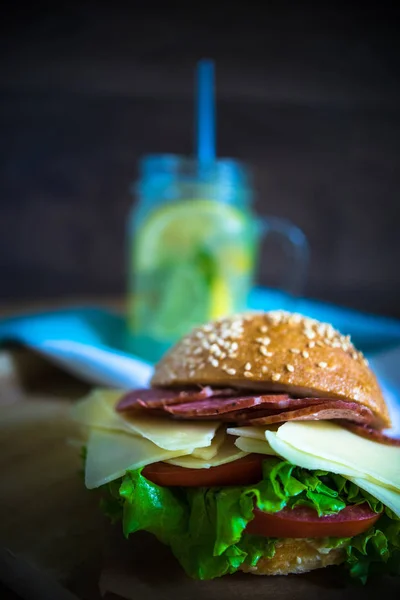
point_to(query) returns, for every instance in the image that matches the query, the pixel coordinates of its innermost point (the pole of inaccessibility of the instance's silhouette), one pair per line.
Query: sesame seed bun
(297, 556)
(275, 351)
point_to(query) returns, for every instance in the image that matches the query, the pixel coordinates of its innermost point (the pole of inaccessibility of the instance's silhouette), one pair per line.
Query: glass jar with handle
(193, 245)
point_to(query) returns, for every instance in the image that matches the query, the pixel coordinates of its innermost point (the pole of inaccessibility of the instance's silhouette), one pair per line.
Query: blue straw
(205, 111)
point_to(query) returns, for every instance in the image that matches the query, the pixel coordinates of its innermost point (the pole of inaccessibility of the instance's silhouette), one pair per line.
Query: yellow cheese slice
(111, 454)
(248, 444)
(307, 461)
(97, 410)
(256, 433)
(389, 498)
(210, 451)
(358, 455)
(226, 454)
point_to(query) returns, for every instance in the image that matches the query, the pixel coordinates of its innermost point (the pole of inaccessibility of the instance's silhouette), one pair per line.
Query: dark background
(307, 93)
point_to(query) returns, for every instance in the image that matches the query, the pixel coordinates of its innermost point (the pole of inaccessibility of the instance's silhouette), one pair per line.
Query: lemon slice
(183, 227)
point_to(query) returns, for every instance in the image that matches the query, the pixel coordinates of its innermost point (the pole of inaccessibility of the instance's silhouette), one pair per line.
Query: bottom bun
(295, 555)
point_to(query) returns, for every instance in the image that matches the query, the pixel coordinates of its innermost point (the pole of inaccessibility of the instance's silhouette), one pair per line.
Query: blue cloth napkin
(91, 342)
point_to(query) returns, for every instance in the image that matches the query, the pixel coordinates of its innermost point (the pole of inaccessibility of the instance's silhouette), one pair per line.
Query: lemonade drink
(193, 244)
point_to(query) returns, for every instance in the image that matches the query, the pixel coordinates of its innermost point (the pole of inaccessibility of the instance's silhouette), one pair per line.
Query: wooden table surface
(48, 520)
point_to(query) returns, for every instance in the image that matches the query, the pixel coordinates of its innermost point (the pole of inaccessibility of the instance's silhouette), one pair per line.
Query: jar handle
(295, 241)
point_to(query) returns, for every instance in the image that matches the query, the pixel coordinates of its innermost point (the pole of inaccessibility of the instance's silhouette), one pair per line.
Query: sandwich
(259, 447)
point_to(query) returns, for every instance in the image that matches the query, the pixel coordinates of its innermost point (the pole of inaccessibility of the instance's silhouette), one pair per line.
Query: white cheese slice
(210, 451)
(248, 444)
(97, 410)
(390, 498)
(226, 454)
(256, 433)
(358, 455)
(111, 454)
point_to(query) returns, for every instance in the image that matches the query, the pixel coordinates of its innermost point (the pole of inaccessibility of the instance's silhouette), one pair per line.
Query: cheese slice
(390, 498)
(248, 444)
(255, 433)
(307, 461)
(210, 451)
(226, 454)
(357, 455)
(98, 410)
(111, 454)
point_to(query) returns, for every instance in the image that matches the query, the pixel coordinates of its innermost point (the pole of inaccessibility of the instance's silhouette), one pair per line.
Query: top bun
(275, 350)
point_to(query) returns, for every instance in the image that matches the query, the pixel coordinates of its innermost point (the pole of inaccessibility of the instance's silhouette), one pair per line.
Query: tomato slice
(304, 522)
(245, 471)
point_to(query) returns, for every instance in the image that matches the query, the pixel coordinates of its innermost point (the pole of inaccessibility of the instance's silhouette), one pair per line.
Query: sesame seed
(231, 371)
(264, 368)
(223, 355)
(309, 334)
(212, 337)
(290, 368)
(275, 376)
(319, 343)
(269, 354)
(263, 329)
(247, 366)
(205, 344)
(199, 334)
(294, 319)
(305, 354)
(322, 364)
(234, 346)
(264, 351)
(354, 355)
(263, 340)
(294, 350)
(311, 344)
(365, 361)
(214, 362)
(207, 328)
(248, 374)
(214, 349)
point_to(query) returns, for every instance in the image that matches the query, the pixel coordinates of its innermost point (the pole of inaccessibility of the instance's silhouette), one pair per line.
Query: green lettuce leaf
(205, 526)
(376, 551)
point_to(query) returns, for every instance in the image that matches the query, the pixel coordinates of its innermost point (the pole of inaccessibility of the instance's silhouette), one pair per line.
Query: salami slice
(372, 434)
(328, 410)
(218, 406)
(158, 398)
